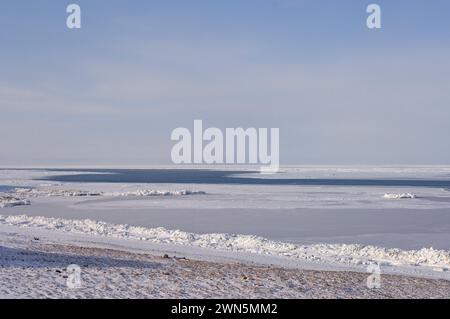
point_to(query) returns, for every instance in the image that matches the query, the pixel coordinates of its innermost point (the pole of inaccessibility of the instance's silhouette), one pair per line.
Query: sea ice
(400, 196)
(10, 201)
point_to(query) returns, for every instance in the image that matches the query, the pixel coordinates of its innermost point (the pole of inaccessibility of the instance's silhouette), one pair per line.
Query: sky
(111, 92)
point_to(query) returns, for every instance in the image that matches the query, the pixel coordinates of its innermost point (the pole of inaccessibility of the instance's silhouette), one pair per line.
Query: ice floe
(400, 196)
(10, 201)
(152, 192)
(32, 192)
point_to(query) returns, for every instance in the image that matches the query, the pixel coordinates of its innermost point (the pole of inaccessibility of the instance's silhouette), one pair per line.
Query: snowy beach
(314, 225)
(34, 267)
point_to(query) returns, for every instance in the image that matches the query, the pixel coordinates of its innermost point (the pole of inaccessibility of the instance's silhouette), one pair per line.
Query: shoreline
(35, 268)
(424, 263)
(232, 241)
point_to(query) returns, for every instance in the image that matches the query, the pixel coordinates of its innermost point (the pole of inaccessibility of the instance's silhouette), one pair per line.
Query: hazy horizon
(110, 93)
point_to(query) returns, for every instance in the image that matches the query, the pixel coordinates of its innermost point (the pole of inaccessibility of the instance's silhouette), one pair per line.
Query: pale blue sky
(112, 92)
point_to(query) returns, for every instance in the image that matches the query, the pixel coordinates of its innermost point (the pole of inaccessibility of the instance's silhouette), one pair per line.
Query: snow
(9, 201)
(323, 253)
(31, 192)
(259, 196)
(38, 267)
(341, 227)
(48, 192)
(435, 172)
(400, 196)
(153, 192)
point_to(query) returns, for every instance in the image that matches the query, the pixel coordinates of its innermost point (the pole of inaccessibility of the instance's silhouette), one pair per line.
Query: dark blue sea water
(4, 188)
(199, 176)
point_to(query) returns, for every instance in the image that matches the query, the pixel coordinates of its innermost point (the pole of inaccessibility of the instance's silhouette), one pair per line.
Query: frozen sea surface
(302, 205)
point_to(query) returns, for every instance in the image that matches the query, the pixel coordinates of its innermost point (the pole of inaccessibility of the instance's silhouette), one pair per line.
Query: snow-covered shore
(288, 228)
(423, 262)
(34, 266)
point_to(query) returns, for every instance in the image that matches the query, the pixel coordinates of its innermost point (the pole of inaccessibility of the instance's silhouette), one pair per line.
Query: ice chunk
(400, 196)
(152, 192)
(10, 201)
